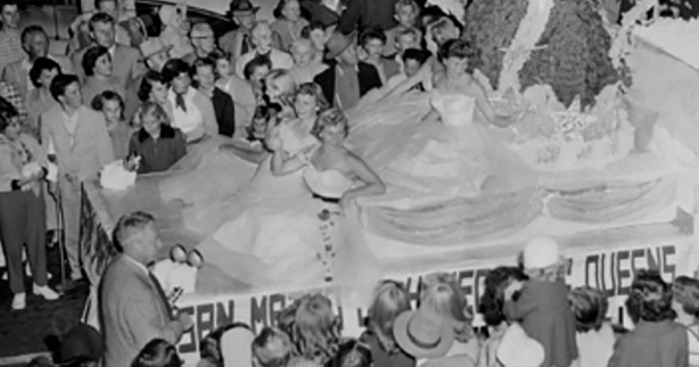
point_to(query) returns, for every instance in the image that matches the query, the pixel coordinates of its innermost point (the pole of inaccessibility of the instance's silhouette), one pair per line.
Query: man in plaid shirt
(10, 37)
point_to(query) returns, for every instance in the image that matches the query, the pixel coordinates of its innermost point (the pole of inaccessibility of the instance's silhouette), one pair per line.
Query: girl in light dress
(685, 302)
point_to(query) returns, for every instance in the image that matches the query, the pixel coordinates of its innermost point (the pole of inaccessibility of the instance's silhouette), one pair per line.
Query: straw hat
(517, 349)
(423, 334)
(540, 252)
(338, 43)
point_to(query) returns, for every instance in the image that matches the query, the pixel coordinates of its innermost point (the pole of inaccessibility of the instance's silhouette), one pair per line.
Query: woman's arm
(486, 108)
(282, 164)
(373, 185)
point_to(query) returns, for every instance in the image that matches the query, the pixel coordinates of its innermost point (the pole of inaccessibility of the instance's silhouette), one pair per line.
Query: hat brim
(164, 49)
(405, 340)
(335, 53)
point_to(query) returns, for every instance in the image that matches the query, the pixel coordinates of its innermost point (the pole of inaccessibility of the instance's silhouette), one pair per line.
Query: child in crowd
(685, 302)
(390, 301)
(594, 334)
(413, 59)
(542, 306)
(158, 144)
(372, 42)
(305, 65)
(111, 105)
(406, 13)
(289, 23)
(407, 39)
(317, 34)
(656, 340)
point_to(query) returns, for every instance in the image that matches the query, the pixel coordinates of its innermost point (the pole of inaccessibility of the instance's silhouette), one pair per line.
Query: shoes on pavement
(45, 292)
(19, 302)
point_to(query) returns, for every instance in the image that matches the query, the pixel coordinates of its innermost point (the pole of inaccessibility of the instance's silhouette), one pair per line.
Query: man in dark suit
(363, 14)
(203, 74)
(126, 60)
(133, 307)
(347, 79)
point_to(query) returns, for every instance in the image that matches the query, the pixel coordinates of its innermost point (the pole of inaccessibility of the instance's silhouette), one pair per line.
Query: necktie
(162, 295)
(246, 44)
(179, 102)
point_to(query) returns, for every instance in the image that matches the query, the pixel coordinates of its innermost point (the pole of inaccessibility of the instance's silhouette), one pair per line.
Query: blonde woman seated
(304, 240)
(237, 173)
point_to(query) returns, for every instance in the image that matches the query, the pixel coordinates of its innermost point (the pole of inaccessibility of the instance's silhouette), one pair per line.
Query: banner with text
(611, 270)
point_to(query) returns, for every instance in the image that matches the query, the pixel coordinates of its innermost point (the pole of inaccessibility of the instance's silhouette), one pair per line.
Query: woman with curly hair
(390, 301)
(685, 302)
(313, 327)
(594, 333)
(656, 340)
(491, 307)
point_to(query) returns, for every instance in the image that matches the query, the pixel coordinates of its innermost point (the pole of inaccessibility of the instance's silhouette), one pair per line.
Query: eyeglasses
(207, 37)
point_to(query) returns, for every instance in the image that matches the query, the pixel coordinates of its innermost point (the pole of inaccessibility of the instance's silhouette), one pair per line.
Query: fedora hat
(423, 334)
(337, 43)
(152, 47)
(239, 6)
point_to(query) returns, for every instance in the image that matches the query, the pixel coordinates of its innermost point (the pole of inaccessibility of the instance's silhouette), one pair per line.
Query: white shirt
(280, 60)
(190, 121)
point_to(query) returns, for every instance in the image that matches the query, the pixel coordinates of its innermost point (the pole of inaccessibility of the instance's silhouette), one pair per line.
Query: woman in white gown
(449, 175)
(236, 187)
(309, 240)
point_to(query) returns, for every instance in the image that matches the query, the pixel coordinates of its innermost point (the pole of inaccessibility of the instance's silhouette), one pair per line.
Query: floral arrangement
(490, 26)
(575, 61)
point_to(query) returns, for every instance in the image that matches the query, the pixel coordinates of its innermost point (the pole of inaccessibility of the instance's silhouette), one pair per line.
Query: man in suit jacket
(203, 71)
(238, 42)
(79, 139)
(364, 14)
(35, 43)
(133, 306)
(126, 60)
(348, 79)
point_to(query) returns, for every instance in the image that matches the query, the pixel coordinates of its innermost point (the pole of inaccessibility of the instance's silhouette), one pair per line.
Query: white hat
(517, 349)
(236, 347)
(540, 252)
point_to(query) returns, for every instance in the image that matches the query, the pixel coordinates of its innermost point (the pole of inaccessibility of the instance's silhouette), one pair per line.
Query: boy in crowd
(373, 42)
(406, 13)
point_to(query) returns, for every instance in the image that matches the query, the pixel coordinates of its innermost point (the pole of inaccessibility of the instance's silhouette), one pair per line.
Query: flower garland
(490, 26)
(575, 61)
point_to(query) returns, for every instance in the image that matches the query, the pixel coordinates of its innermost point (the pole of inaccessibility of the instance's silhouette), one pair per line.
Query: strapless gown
(450, 177)
(296, 242)
(216, 186)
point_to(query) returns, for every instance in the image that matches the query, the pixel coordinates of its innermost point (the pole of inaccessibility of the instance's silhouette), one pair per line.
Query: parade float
(609, 129)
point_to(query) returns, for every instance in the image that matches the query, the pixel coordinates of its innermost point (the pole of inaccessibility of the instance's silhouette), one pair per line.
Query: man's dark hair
(372, 34)
(421, 56)
(146, 86)
(31, 31)
(90, 59)
(100, 18)
(174, 68)
(41, 64)
(262, 340)
(60, 83)
(202, 62)
(255, 63)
